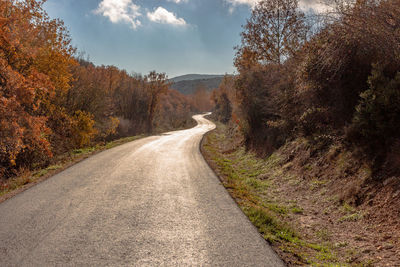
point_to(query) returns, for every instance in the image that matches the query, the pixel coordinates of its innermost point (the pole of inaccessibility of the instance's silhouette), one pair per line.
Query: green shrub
(377, 118)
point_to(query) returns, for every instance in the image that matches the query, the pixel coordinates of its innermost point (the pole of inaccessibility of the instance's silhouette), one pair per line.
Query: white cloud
(178, 1)
(120, 11)
(161, 15)
(317, 6)
(251, 3)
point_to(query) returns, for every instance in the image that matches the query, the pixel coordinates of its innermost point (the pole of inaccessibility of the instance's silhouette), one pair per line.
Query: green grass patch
(257, 184)
(351, 217)
(83, 151)
(315, 183)
(268, 225)
(279, 209)
(43, 172)
(351, 214)
(273, 161)
(347, 208)
(296, 210)
(323, 234)
(54, 167)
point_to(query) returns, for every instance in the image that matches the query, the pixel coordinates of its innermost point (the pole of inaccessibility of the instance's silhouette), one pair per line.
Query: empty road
(150, 202)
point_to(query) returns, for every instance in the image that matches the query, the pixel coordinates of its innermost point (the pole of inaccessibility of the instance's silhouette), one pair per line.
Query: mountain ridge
(192, 77)
(189, 87)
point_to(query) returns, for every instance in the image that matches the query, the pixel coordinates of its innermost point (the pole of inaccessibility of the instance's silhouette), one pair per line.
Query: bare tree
(274, 32)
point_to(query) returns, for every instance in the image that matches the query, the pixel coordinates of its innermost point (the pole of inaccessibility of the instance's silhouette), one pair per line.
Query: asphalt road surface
(150, 202)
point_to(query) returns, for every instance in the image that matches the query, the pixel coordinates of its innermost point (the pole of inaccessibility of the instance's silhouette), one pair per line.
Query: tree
(223, 98)
(175, 111)
(223, 107)
(201, 98)
(156, 85)
(274, 32)
(26, 85)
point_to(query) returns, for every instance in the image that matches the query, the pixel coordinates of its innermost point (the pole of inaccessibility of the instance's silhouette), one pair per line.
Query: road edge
(64, 166)
(213, 169)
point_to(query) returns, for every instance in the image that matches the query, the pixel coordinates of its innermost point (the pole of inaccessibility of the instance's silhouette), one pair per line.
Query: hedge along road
(150, 202)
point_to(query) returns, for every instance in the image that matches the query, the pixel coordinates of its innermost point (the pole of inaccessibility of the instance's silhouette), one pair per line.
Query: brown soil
(341, 204)
(360, 217)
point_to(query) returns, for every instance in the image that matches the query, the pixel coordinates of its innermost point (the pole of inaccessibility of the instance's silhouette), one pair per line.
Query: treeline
(52, 101)
(331, 78)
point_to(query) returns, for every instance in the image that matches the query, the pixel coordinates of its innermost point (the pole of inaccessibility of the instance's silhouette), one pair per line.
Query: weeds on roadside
(244, 175)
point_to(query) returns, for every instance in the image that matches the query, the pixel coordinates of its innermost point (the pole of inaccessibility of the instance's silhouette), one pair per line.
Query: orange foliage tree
(24, 86)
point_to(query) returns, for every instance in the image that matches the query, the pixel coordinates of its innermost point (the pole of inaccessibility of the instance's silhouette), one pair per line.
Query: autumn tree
(223, 107)
(274, 32)
(271, 40)
(156, 84)
(201, 99)
(224, 100)
(175, 111)
(27, 39)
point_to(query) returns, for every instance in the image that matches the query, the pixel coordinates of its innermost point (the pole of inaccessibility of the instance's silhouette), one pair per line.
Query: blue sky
(173, 36)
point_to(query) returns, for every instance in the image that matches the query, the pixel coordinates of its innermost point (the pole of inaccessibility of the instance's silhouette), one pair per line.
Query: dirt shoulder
(314, 208)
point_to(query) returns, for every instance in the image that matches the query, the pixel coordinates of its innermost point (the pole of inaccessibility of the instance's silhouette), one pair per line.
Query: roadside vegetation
(308, 140)
(304, 218)
(53, 101)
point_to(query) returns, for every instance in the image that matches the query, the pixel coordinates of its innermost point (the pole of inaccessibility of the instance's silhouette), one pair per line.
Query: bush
(337, 62)
(83, 129)
(223, 107)
(263, 96)
(377, 118)
(107, 128)
(314, 120)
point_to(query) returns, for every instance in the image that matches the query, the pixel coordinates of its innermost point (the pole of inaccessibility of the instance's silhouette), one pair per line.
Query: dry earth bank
(316, 206)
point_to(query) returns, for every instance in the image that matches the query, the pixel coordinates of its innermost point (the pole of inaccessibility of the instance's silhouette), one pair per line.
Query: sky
(173, 36)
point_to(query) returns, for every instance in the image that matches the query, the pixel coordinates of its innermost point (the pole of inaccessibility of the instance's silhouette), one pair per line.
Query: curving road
(150, 202)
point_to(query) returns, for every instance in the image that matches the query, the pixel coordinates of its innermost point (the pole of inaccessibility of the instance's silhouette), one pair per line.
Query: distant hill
(191, 77)
(188, 87)
(187, 84)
